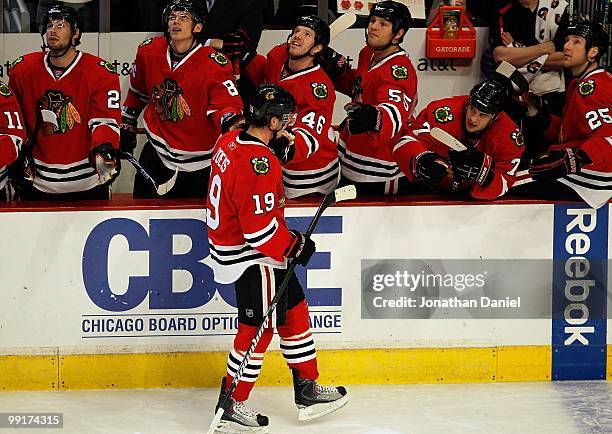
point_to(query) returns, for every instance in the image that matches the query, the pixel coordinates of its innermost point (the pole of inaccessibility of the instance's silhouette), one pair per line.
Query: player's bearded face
(574, 51)
(380, 32)
(59, 35)
(475, 120)
(301, 41)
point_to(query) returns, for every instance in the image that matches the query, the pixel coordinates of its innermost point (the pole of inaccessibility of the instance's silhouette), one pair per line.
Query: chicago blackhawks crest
(5, 90)
(261, 166)
(518, 138)
(443, 114)
(219, 58)
(169, 102)
(586, 87)
(319, 90)
(60, 104)
(108, 66)
(399, 72)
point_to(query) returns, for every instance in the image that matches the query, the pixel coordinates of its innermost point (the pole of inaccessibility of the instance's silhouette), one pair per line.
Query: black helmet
(397, 13)
(267, 101)
(320, 27)
(490, 96)
(59, 12)
(195, 7)
(593, 33)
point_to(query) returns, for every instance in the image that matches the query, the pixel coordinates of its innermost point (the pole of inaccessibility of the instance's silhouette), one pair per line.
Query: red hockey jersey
(86, 100)
(315, 167)
(587, 124)
(185, 104)
(391, 85)
(12, 131)
(245, 209)
(502, 141)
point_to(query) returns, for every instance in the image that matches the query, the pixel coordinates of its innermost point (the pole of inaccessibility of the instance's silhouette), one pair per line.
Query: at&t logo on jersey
(169, 288)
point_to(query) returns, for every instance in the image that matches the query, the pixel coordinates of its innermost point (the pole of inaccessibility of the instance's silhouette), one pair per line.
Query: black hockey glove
(283, 146)
(237, 48)
(128, 129)
(558, 163)
(104, 159)
(302, 249)
(472, 165)
(363, 118)
(430, 168)
(21, 172)
(333, 63)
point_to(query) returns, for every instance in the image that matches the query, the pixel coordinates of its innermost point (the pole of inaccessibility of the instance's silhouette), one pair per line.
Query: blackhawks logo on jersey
(169, 102)
(399, 72)
(219, 58)
(443, 114)
(67, 114)
(108, 66)
(586, 87)
(146, 42)
(518, 138)
(5, 90)
(319, 90)
(261, 166)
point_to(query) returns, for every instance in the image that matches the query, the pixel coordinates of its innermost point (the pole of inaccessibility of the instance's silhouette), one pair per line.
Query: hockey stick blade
(49, 116)
(442, 136)
(215, 422)
(345, 193)
(167, 186)
(509, 71)
(341, 24)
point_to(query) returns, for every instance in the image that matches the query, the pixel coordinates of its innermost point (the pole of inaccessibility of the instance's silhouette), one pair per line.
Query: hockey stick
(442, 136)
(341, 24)
(509, 71)
(161, 189)
(341, 194)
(42, 115)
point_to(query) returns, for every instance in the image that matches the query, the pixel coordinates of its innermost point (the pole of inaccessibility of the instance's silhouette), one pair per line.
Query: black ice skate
(313, 400)
(239, 418)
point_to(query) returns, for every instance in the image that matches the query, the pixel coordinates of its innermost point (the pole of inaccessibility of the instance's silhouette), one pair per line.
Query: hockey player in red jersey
(12, 135)
(384, 93)
(189, 97)
(250, 244)
(311, 161)
(582, 155)
(75, 159)
(486, 170)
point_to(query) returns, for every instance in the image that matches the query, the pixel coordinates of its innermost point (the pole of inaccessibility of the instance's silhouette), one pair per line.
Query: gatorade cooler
(451, 35)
